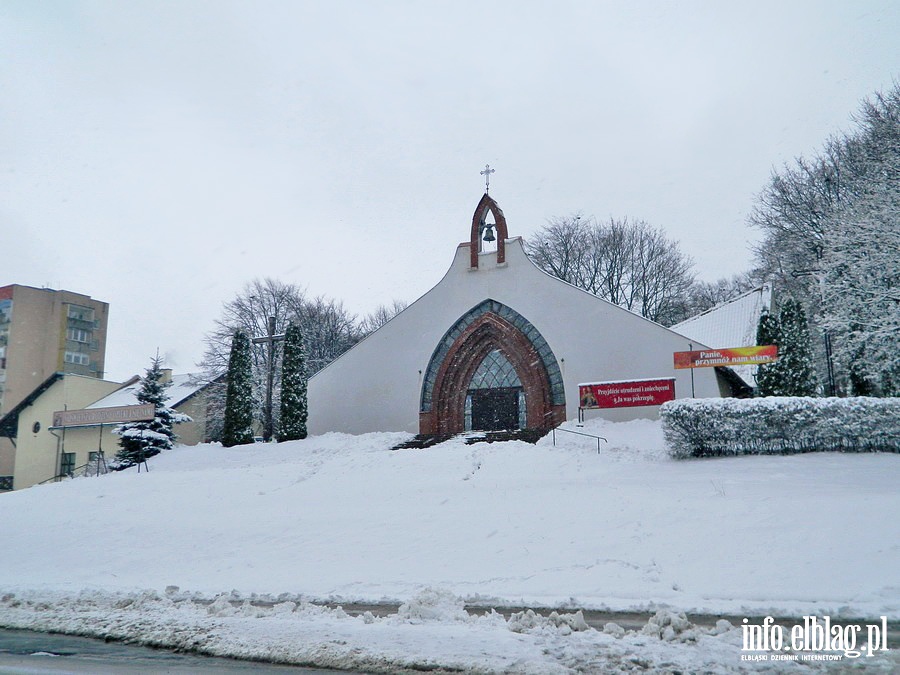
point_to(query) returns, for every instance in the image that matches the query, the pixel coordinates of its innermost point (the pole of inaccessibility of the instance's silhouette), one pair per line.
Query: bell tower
(483, 231)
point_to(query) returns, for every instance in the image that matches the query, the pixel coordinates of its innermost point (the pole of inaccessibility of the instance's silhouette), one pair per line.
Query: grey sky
(159, 155)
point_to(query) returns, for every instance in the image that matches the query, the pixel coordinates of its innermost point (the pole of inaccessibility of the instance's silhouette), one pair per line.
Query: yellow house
(38, 450)
(44, 452)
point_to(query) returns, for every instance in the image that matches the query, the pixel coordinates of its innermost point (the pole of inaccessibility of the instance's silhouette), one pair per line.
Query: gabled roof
(183, 387)
(9, 423)
(730, 324)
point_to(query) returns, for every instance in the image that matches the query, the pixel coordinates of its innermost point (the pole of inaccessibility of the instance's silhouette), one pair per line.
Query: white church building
(498, 344)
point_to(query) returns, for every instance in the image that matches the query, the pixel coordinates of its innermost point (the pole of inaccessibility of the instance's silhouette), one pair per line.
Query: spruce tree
(768, 332)
(793, 374)
(798, 375)
(238, 424)
(293, 386)
(860, 382)
(140, 440)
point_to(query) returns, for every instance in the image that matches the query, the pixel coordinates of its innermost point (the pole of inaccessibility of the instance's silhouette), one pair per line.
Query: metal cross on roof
(487, 177)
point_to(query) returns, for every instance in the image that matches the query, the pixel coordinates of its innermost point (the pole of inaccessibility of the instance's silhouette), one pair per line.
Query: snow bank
(341, 518)
(449, 638)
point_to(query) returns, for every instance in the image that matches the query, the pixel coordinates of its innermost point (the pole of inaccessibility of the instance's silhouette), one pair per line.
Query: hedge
(715, 427)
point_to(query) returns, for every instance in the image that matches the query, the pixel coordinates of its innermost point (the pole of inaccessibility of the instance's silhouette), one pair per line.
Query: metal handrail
(579, 433)
(79, 472)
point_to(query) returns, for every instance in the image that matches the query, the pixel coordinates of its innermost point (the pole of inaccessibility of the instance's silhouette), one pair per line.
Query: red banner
(626, 394)
(737, 356)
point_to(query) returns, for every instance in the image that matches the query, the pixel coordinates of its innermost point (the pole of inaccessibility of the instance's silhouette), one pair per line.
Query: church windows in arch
(495, 400)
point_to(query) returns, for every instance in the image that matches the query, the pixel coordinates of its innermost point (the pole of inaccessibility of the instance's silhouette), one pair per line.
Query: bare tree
(704, 295)
(629, 263)
(380, 316)
(328, 329)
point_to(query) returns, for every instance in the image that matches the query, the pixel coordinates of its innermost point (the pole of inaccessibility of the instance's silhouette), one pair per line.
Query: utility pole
(270, 339)
(819, 275)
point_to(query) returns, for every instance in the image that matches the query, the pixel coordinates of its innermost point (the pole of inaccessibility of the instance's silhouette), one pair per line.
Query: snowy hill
(343, 518)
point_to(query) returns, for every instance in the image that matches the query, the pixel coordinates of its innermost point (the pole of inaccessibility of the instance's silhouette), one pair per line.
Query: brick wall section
(487, 204)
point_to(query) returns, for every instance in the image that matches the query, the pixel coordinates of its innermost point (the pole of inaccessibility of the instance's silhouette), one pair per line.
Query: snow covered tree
(831, 238)
(238, 424)
(862, 286)
(768, 332)
(795, 360)
(140, 440)
(628, 262)
(793, 373)
(328, 329)
(293, 386)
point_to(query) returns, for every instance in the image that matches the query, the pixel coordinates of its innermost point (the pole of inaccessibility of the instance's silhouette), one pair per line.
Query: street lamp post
(829, 363)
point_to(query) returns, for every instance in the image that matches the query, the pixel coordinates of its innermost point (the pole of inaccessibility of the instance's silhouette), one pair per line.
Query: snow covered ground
(174, 556)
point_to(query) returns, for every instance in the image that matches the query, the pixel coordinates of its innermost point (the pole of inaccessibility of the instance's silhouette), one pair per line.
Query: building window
(523, 418)
(67, 463)
(77, 358)
(495, 371)
(78, 335)
(80, 313)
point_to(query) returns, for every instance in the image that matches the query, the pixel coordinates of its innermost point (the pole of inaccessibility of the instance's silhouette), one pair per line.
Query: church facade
(496, 344)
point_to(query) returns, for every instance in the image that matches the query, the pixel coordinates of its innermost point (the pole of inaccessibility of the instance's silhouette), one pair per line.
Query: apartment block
(42, 332)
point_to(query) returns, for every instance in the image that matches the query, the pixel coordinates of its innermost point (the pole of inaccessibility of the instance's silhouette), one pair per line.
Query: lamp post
(820, 277)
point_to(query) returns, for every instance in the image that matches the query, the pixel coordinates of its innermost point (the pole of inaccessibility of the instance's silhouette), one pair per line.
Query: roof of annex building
(182, 388)
(730, 324)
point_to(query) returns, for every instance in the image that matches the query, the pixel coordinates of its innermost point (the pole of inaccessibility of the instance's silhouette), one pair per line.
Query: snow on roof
(730, 324)
(183, 387)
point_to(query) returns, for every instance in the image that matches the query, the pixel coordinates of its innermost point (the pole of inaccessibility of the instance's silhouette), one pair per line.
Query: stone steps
(423, 441)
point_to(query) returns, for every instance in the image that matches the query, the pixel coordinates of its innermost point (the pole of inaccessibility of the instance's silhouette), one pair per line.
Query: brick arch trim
(488, 326)
(487, 204)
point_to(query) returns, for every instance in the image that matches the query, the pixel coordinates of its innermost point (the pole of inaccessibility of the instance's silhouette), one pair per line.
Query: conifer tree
(140, 440)
(860, 382)
(238, 424)
(798, 375)
(293, 386)
(793, 373)
(768, 332)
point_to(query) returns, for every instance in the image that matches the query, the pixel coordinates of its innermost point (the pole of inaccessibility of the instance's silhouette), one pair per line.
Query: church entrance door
(495, 409)
(491, 371)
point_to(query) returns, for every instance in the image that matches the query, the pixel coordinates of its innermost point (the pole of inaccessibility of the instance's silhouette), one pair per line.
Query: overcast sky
(159, 155)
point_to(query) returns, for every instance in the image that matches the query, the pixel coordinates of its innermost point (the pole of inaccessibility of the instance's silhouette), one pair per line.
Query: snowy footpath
(232, 551)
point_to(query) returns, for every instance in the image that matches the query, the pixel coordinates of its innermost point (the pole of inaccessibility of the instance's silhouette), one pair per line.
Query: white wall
(376, 386)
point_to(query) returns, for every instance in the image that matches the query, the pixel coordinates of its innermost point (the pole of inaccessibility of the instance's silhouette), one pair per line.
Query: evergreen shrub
(238, 424)
(716, 427)
(293, 386)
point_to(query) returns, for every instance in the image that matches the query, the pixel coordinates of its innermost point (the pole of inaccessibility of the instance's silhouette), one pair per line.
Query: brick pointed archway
(485, 206)
(489, 326)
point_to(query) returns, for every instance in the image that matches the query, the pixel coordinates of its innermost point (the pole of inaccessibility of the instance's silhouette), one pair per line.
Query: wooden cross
(487, 177)
(270, 340)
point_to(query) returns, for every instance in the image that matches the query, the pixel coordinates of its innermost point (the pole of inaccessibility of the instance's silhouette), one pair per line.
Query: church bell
(489, 232)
